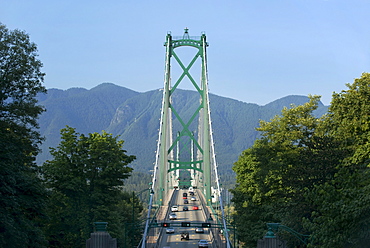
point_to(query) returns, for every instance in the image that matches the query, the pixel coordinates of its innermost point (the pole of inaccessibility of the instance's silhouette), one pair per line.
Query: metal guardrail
(216, 240)
(170, 203)
(150, 222)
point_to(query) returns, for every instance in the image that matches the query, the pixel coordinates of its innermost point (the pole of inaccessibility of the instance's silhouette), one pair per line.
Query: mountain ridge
(134, 117)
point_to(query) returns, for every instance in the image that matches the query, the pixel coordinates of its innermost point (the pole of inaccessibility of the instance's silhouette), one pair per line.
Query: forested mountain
(135, 118)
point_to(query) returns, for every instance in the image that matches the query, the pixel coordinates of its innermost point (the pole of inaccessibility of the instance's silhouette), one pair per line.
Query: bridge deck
(159, 237)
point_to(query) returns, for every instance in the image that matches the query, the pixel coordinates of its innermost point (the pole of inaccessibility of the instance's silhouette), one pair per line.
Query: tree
(312, 174)
(85, 180)
(293, 154)
(342, 216)
(22, 194)
(350, 119)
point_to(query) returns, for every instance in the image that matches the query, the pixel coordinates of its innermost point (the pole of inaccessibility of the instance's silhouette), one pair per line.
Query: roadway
(195, 216)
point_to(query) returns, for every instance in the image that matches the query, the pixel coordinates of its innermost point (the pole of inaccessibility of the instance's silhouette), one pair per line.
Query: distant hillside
(135, 117)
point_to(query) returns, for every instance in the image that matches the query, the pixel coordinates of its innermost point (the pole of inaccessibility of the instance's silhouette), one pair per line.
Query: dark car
(185, 209)
(186, 202)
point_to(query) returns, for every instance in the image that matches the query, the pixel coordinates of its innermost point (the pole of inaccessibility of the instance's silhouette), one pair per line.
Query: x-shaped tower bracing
(185, 138)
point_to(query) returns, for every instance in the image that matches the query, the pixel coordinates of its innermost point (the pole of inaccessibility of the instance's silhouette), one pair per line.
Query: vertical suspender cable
(226, 234)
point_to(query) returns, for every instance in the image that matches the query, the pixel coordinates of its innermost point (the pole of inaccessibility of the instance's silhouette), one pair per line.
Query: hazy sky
(259, 50)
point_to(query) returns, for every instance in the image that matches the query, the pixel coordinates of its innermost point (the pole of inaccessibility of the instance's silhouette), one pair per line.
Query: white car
(202, 243)
(170, 230)
(174, 208)
(172, 216)
(193, 199)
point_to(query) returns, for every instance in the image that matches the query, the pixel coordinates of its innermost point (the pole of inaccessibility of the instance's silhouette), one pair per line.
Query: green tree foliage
(85, 179)
(350, 119)
(138, 183)
(22, 194)
(342, 216)
(293, 154)
(311, 174)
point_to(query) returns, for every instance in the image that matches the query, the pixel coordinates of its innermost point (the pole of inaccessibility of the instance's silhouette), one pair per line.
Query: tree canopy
(341, 217)
(276, 172)
(310, 174)
(85, 180)
(22, 194)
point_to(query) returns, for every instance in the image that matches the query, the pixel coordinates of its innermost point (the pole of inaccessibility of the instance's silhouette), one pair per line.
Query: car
(191, 193)
(173, 216)
(186, 202)
(170, 230)
(174, 208)
(195, 207)
(185, 208)
(184, 197)
(202, 243)
(193, 199)
(199, 230)
(184, 194)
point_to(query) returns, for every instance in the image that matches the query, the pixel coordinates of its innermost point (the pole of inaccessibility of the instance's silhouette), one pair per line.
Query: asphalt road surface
(174, 240)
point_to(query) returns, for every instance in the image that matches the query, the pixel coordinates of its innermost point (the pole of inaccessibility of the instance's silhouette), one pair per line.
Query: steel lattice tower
(185, 151)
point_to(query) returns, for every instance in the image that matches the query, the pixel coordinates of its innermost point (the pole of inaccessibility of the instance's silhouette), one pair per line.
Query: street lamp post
(133, 223)
(274, 227)
(138, 195)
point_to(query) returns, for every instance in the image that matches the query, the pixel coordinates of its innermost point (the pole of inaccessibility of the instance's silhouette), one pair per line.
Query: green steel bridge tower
(185, 153)
(189, 150)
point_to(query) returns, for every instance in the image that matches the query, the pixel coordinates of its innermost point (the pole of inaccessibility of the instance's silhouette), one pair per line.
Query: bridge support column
(166, 128)
(206, 126)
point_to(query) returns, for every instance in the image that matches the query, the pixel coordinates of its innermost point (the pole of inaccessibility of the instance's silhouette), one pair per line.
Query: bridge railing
(217, 237)
(151, 235)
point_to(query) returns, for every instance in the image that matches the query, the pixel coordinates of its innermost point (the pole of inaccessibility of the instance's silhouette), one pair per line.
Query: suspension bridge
(185, 204)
